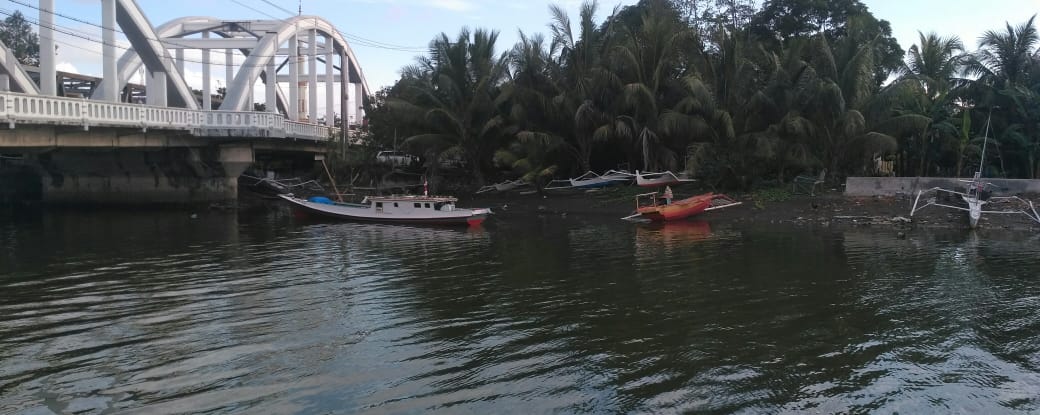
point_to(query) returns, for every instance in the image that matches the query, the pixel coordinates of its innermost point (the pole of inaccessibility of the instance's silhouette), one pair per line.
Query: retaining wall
(891, 186)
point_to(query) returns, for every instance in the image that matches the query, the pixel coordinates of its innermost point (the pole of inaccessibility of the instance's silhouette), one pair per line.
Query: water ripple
(276, 316)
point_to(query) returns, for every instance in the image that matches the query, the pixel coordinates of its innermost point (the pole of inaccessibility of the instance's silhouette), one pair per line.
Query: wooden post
(331, 179)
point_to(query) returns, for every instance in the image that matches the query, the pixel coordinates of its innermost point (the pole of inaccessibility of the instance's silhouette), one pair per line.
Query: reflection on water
(161, 312)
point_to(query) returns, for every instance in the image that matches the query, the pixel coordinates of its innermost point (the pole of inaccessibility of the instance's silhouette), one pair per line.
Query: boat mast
(985, 140)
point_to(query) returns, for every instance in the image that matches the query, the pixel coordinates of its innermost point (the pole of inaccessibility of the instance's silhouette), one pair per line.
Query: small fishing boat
(503, 186)
(591, 180)
(976, 196)
(666, 178)
(404, 209)
(654, 207)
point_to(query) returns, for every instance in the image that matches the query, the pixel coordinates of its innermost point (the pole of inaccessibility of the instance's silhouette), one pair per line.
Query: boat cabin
(406, 204)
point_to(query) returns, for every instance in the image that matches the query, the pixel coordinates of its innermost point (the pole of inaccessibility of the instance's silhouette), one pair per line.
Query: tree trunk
(584, 162)
(1032, 162)
(960, 161)
(924, 157)
(478, 175)
(433, 173)
(585, 157)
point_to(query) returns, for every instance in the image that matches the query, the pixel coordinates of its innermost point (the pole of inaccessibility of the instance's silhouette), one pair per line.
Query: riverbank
(769, 206)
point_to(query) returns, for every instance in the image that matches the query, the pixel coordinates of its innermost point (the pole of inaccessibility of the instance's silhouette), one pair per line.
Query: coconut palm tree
(1005, 66)
(818, 102)
(534, 111)
(934, 62)
(927, 78)
(583, 84)
(1006, 57)
(459, 101)
(647, 62)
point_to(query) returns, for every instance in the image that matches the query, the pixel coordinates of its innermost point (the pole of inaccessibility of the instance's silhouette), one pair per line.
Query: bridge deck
(16, 108)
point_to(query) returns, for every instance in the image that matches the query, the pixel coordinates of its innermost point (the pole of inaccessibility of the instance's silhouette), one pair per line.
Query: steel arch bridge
(291, 58)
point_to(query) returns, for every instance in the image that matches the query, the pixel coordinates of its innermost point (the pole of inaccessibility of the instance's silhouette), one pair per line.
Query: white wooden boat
(502, 187)
(976, 196)
(975, 199)
(666, 178)
(405, 209)
(591, 180)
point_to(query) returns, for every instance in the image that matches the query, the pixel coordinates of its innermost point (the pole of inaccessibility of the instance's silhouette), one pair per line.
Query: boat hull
(657, 183)
(677, 210)
(594, 183)
(659, 179)
(363, 213)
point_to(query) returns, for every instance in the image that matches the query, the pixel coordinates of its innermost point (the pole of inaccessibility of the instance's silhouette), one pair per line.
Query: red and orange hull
(680, 209)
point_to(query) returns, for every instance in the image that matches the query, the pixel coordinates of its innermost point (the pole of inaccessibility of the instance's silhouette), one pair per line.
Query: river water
(262, 313)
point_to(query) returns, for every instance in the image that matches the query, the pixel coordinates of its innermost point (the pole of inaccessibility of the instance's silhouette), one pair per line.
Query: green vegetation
(17, 34)
(733, 93)
(771, 195)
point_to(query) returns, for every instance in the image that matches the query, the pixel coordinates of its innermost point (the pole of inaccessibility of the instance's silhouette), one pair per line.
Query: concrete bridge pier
(143, 169)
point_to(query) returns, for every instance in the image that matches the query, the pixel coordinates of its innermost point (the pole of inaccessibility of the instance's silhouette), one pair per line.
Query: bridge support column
(155, 89)
(207, 99)
(108, 38)
(271, 82)
(229, 75)
(330, 84)
(48, 74)
(179, 56)
(312, 79)
(344, 101)
(359, 103)
(294, 78)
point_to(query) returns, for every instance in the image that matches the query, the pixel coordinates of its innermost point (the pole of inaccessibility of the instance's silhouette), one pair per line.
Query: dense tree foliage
(16, 33)
(732, 91)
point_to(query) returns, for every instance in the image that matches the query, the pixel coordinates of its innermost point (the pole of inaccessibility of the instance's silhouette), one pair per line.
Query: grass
(769, 195)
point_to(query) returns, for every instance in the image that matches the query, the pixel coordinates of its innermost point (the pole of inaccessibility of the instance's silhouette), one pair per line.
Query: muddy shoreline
(829, 209)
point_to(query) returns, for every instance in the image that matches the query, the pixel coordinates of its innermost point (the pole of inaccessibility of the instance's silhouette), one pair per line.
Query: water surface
(159, 312)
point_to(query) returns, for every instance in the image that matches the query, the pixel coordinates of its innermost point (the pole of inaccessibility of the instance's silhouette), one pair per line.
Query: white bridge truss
(276, 52)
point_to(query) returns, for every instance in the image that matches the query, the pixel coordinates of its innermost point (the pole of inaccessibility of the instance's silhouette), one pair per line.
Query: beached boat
(405, 209)
(655, 207)
(976, 196)
(503, 186)
(666, 178)
(591, 180)
(679, 209)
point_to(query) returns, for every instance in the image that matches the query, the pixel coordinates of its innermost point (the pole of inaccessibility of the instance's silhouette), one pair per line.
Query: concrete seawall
(892, 186)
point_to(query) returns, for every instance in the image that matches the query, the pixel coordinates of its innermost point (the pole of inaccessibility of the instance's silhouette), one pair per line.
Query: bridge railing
(18, 108)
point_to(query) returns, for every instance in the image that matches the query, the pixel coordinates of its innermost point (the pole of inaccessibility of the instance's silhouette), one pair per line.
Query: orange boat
(679, 209)
(668, 210)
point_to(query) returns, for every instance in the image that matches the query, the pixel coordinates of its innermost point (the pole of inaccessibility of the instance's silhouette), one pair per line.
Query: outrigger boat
(649, 206)
(591, 180)
(403, 209)
(502, 187)
(666, 178)
(976, 196)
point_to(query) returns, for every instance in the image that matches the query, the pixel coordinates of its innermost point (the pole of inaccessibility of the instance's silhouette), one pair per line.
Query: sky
(409, 25)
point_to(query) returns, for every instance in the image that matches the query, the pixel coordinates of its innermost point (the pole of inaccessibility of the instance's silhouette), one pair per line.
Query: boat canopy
(413, 198)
